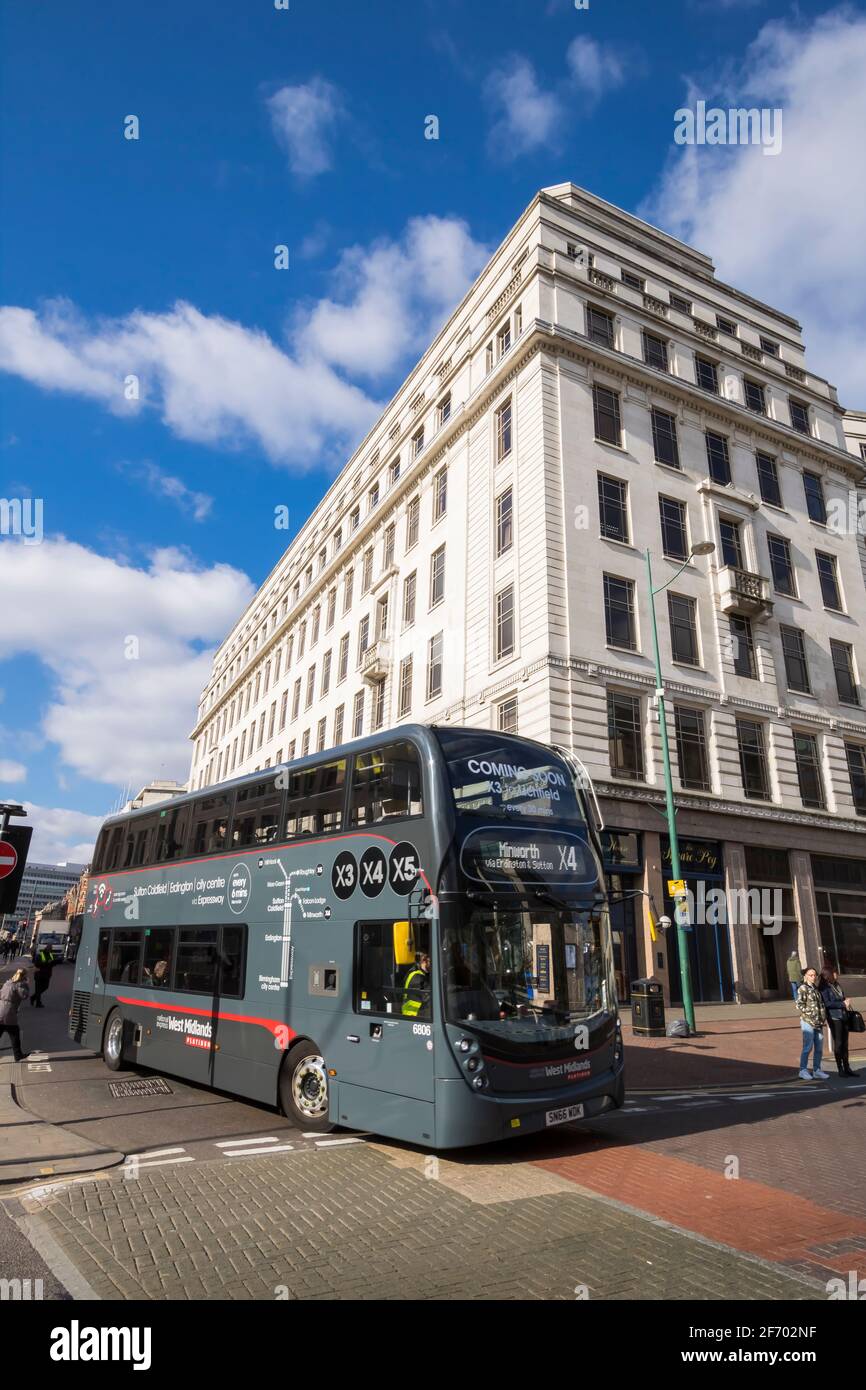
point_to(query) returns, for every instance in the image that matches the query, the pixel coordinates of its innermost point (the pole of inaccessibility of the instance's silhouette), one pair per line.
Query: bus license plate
(561, 1117)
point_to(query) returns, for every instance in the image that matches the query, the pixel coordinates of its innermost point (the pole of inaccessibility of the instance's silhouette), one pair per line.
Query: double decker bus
(407, 934)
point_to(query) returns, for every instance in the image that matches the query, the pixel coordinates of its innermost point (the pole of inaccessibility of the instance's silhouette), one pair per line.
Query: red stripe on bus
(268, 1023)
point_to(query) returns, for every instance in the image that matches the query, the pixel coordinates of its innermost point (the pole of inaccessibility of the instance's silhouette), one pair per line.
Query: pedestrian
(837, 1007)
(43, 963)
(813, 1016)
(795, 973)
(12, 996)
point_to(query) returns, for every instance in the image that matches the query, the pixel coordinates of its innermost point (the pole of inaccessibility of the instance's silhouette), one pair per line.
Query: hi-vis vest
(411, 1006)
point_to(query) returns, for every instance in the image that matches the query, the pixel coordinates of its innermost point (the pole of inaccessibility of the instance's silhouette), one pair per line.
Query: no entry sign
(8, 858)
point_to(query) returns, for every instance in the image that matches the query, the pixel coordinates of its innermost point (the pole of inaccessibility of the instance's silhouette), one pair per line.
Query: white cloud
(526, 116)
(596, 68)
(114, 719)
(392, 296)
(11, 771)
(165, 484)
(61, 836)
(789, 229)
(304, 118)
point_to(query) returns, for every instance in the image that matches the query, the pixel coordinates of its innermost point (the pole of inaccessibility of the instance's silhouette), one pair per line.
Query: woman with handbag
(837, 1007)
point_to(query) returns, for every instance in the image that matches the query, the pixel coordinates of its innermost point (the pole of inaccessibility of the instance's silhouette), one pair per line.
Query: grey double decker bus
(407, 934)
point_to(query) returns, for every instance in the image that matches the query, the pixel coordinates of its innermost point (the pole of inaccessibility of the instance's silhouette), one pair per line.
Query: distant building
(153, 792)
(41, 884)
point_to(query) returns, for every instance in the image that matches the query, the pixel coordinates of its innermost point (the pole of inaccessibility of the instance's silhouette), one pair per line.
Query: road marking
(324, 1143)
(38, 1066)
(161, 1162)
(753, 1095)
(156, 1153)
(245, 1153)
(235, 1143)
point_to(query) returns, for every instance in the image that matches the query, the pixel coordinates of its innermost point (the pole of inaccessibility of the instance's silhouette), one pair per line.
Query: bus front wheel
(112, 1042)
(304, 1089)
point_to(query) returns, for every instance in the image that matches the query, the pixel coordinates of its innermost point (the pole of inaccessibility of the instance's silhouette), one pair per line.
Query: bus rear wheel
(112, 1042)
(304, 1089)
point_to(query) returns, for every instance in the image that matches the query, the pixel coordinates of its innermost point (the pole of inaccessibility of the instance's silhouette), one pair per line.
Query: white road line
(35, 1230)
(325, 1143)
(236, 1143)
(162, 1162)
(157, 1153)
(38, 1066)
(245, 1153)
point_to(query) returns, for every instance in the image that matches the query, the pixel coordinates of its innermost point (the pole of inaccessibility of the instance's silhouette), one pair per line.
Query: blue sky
(305, 127)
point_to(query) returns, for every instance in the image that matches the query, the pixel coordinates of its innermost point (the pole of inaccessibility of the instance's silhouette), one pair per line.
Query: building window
(437, 576)
(382, 618)
(409, 587)
(413, 515)
(504, 522)
(355, 519)
(394, 470)
(367, 571)
(707, 375)
(856, 756)
(311, 687)
(320, 736)
(503, 339)
(605, 409)
(672, 515)
(488, 357)
(843, 669)
(284, 707)
(377, 707)
(768, 346)
(768, 480)
(506, 715)
(417, 442)
(726, 325)
(388, 546)
(625, 736)
(343, 661)
(348, 585)
(619, 618)
(730, 535)
(665, 446)
(373, 497)
(305, 743)
(317, 618)
(780, 566)
(755, 397)
(815, 505)
(332, 610)
(326, 673)
(339, 714)
(503, 431)
(440, 494)
(443, 412)
(682, 613)
(655, 351)
(296, 699)
(796, 668)
(809, 771)
(599, 326)
(434, 666)
(692, 756)
(405, 702)
(613, 508)
(678, 302)
(338, 540)
(505, 622)
(799, 416)
(718, 459)
(358, 715)
(828, 575)
(753, 760)
(363, 637)
(634, 282)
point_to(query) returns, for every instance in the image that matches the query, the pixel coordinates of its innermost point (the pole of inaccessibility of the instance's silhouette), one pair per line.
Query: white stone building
(480, 560)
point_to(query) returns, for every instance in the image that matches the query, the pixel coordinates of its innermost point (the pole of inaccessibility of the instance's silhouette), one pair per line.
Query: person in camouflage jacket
(813, 1016)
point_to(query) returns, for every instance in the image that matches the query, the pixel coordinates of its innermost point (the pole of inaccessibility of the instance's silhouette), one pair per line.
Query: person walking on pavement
(813, 1016)
(795, 973)
(12, 996)
(837, 1007)
(43, 963)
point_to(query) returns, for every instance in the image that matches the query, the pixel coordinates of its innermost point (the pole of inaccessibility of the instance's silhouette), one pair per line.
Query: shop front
(623, 866)
(702, 868)
(840, 896)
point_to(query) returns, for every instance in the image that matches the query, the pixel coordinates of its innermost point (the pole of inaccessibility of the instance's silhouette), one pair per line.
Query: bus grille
(79, 1014)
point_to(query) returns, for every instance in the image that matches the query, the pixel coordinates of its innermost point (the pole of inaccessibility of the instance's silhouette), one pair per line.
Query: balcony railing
(744, 593)
(376, 661)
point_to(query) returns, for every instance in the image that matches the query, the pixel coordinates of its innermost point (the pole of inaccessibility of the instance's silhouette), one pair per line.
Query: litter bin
(647, 1008)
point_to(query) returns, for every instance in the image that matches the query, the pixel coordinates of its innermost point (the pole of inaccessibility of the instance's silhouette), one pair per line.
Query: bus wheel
(304, 1089)
(112, 1042)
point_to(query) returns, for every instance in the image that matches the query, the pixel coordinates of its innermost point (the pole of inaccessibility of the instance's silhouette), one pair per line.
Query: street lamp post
(702, 548)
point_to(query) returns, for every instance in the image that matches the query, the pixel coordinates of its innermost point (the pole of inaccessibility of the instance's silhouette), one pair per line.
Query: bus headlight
(479, 1082)
(473, 1064)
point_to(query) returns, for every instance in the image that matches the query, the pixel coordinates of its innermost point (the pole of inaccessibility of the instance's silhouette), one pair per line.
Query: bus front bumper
(465, 1117)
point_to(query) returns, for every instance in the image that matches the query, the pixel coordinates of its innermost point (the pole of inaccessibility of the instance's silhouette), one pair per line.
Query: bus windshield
(523, 975)
(502, 777)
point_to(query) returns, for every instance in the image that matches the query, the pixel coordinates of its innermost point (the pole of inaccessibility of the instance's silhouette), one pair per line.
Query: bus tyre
(112, 1041)
(304, 1089)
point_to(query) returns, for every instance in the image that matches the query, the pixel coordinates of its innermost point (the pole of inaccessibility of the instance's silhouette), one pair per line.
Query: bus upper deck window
(314, 804)
(210, 825)
(386, 783)
(257, 815)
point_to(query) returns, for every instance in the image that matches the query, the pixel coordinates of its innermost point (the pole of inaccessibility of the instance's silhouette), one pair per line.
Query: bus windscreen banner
(504, 858)
(508, 777)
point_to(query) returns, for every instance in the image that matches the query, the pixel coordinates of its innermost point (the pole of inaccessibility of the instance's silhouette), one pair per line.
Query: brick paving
(381, 1222)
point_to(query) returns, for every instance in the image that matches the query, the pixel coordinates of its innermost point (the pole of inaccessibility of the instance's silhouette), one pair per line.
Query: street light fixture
(700, 548)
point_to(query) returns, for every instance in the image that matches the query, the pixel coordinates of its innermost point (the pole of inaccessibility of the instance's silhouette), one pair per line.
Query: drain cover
(146, 1086)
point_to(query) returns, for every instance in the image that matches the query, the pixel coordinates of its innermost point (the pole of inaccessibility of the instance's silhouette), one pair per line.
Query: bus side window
(115, 849)
(100, 854)
(158, 957)
(386, 783)
(102, 949)
(315, 800)
(381, 970)
(171, 834)
(257, 815)
(197, 959)
(209, 831)
(232, 962)
(125, 957)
